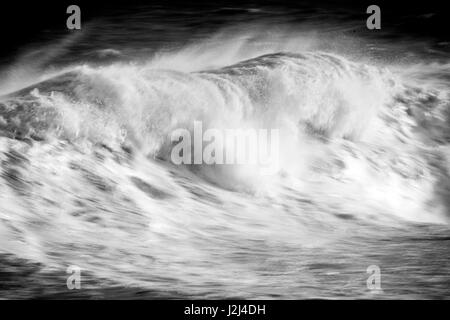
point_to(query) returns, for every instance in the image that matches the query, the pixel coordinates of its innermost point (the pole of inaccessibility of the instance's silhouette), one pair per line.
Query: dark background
(25, 22)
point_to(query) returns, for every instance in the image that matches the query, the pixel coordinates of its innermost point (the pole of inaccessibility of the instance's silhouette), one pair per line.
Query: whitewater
(86, 177)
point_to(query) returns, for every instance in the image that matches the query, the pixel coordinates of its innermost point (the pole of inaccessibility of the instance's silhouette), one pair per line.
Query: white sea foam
(355, 142)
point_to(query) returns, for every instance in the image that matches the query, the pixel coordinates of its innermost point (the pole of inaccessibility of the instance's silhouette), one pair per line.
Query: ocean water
(364, 180)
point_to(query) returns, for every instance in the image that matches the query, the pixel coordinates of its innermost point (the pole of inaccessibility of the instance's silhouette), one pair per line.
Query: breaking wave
(86, 165)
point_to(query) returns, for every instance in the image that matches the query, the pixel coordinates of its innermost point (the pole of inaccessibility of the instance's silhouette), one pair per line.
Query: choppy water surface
(86, 177)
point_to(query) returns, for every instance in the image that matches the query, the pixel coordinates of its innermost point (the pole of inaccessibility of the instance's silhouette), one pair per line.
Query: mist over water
(86, 177)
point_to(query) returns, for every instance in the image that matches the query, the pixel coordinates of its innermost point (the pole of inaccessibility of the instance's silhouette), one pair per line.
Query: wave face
(86, 177)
